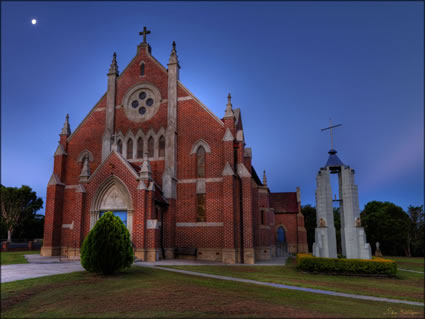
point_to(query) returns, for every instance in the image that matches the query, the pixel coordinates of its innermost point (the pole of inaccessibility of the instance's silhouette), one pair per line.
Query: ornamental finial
(229, 110)
(264, 178)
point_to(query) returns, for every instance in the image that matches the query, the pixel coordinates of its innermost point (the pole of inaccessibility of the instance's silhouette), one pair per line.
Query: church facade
(179, 177)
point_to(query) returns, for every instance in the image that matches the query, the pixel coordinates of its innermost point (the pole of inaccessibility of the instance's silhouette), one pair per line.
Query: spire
(113, 69)
(333, 161)
(229, 110)
(146, 171)
(264, 178)
(173, 56)
(66, 130)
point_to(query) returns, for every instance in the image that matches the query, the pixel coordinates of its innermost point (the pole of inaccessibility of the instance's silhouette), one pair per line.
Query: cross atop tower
(144, 33)
(330, 129)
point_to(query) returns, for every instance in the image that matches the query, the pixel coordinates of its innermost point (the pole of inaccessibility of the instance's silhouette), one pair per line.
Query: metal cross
(144, 33)
(330, 129)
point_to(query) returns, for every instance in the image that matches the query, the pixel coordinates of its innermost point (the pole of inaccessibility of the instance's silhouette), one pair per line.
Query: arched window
(150, 146)
(142, 69)
(119, 146)
(161, 146)
(200, 162)
(130, 148)
(140, 148)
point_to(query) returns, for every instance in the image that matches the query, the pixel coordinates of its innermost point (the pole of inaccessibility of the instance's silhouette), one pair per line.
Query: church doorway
(281, 245)
(121, 214)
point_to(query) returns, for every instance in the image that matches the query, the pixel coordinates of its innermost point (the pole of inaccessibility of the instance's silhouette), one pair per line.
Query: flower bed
(374, 266)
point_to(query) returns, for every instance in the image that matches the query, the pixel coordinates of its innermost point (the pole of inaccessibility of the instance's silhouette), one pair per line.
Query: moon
(34, 21)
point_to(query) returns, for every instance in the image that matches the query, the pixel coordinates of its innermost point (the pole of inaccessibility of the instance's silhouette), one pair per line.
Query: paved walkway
(269, 284)
(38, 267)
(418, 272)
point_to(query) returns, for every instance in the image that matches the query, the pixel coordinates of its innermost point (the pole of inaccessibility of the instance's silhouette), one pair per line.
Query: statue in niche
(358, 222)
(322, 222)
(378, 252)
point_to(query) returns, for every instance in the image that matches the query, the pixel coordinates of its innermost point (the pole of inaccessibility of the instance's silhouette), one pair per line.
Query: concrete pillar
(353, 237)
(325, 237)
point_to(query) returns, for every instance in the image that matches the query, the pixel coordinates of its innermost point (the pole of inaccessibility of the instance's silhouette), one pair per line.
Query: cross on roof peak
(144, 33)
(330, 129)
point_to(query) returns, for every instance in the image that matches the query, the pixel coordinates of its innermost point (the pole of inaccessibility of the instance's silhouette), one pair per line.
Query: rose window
(142, 102)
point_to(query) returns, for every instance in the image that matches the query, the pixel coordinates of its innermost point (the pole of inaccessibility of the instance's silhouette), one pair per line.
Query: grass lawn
(15, 257)
(146, 292)
(409, 263)
(406, 285)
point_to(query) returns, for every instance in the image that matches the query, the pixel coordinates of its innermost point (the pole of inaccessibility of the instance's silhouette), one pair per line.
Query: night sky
(290, 67)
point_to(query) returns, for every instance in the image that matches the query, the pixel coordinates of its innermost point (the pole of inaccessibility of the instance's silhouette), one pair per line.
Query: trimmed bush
(107, 248)
(374, 266)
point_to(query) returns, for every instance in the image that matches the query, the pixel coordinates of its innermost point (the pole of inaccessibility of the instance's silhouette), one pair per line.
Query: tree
(416, 230)
(388, 224)
(107, 248)
(309, 213)
(17, 204)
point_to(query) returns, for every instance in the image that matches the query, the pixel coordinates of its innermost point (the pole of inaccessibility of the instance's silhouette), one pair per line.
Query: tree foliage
(416, 230)
(107, 248)
(388, 224)
(18, 205)
(309, 213)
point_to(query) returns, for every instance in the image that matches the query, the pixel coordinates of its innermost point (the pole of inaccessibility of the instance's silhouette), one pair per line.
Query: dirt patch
(8, 302)
(187, 298)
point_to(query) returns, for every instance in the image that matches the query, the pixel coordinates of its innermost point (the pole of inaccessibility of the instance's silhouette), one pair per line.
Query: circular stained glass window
(149, 102)
(135, 104)
(142, 95)
(142, 110)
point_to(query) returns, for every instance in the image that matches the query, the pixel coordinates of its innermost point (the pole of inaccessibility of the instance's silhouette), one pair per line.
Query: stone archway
(112, 195)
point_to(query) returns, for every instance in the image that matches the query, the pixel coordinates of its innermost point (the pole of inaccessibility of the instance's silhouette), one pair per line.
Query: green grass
(15, 257)
(405, 286)
(146, 292)
(409, 263)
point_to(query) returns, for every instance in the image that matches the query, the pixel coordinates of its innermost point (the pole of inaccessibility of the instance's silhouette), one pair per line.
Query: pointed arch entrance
(112, 195)
(281, 243)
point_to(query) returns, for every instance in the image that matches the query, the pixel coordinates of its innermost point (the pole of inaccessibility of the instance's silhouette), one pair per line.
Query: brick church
(179, 177)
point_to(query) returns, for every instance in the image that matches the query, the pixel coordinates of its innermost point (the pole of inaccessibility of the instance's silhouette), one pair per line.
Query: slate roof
(284, 202)
(333, 159)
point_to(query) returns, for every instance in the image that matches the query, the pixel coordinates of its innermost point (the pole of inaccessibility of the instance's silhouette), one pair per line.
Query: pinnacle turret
(66, 130)
(229, 110)
(264, 178)
(113, 69)
(146, 171)
(173, 56)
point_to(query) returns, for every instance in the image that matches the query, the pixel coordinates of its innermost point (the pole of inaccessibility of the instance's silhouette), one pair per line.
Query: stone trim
(198, 144)
(264, 227)
(201, 104)
(240, 136)
(194, 180)
(242, 170)
(228, 137)
(86, 118)
(70, 226)
(200, 224)
(83, 154)
(122, 159)
(153, 224)
(60, 151)
(247, 152)
(184, 98)
(71, 186)
(100, 109)
(54, 180)
(228, 171)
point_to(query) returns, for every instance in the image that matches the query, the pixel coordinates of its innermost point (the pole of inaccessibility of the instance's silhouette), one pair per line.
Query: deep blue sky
(289, 66)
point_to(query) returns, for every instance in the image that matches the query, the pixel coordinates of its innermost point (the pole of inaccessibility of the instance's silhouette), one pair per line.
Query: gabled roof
(284, 202)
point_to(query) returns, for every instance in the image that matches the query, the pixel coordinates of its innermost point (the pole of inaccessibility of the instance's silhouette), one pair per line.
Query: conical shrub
(107, 248)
